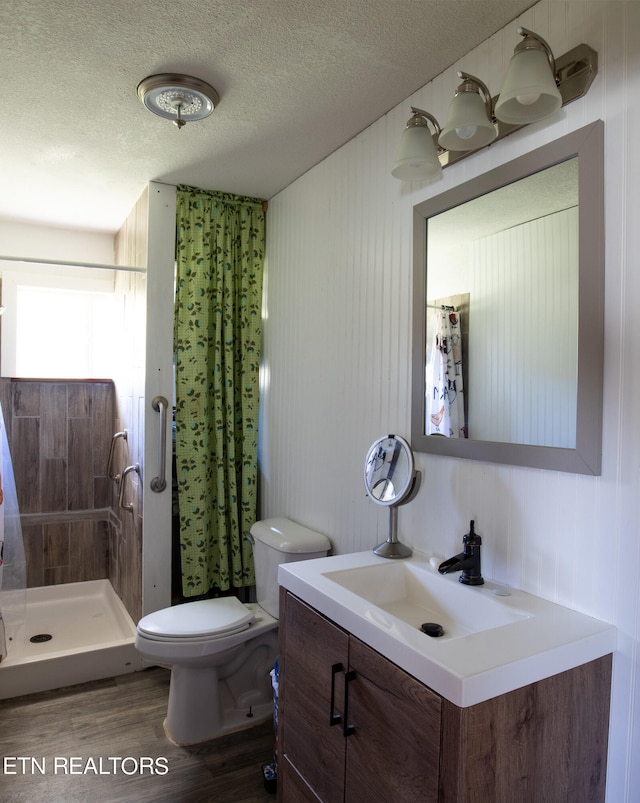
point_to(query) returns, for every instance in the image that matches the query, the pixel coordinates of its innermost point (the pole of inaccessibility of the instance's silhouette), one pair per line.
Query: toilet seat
(197, 621)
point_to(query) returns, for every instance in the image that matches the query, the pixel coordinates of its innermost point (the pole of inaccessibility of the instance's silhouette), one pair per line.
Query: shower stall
(94, 564)
(72, 589)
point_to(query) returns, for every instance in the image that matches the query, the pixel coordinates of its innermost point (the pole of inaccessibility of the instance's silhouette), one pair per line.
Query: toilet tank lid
(289, 536)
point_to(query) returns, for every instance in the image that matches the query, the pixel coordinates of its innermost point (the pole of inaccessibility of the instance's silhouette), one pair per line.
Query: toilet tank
(277, 541)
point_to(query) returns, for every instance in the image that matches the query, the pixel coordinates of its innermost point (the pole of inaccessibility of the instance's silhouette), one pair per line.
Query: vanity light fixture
(179, 98)
(469, 123)
(417, 155)
(530, 92)
(536, 86)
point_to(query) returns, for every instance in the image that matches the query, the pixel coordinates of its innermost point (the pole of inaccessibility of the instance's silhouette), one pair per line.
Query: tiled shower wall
(59, 436)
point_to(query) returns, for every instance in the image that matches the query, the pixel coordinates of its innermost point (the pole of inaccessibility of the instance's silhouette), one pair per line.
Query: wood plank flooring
(101, 723)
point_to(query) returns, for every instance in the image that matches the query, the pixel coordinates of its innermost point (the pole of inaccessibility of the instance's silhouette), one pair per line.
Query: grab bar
(159, 483)
(125, 473)
(112, 451)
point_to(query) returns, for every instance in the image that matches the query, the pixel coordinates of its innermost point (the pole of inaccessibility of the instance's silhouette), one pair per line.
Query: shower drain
(40, 638)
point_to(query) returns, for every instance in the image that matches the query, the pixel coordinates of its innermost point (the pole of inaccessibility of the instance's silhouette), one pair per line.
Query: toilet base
(235, 725)
(210, 701)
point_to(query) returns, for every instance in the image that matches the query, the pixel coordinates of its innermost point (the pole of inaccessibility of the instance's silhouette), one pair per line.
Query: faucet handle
(472, 538)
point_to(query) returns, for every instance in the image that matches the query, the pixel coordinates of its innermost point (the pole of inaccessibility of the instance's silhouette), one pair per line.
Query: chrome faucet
(468, 561)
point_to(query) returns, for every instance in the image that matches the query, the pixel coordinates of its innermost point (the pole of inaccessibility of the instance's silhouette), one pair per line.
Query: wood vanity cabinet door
(292, 787)
(311, 645)
(394, 751)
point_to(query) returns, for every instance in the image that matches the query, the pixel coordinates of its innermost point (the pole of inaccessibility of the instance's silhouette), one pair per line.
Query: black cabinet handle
(334, 719)
(347, 728)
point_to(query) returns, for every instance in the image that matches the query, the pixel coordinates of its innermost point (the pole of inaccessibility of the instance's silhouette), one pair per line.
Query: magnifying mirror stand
(392, 548)
(390, 479)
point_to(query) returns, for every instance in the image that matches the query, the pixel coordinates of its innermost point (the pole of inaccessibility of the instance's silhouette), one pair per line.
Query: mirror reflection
(388, 470)
(502, 279)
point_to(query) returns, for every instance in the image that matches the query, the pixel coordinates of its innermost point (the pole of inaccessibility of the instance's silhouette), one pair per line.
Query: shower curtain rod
(66, 264)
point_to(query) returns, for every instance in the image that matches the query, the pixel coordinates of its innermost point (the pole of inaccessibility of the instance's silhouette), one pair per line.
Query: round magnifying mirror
(388, 470)
(391, 480)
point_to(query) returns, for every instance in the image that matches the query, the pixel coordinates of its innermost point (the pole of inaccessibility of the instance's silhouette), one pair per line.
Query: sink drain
(432, 629)
(40, 638)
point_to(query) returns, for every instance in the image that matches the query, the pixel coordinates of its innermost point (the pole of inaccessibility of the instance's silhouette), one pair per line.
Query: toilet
(220, 651)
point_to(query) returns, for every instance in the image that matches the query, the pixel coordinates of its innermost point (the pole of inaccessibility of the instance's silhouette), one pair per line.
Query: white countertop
(467, 669)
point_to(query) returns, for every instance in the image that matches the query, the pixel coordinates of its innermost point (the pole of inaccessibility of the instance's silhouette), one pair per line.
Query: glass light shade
(467, 126)
(529, 92)
(417, 158)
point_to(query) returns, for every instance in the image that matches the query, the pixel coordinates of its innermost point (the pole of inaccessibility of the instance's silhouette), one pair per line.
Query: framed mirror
(507, 361)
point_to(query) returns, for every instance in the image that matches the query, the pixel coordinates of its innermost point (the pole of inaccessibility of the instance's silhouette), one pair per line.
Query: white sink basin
(494, 640)
(416, 595)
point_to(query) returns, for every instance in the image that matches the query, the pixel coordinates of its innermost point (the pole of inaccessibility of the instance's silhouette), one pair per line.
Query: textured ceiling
(297, 79)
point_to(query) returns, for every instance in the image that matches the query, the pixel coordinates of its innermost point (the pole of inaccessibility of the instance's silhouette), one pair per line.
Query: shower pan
(72, 633)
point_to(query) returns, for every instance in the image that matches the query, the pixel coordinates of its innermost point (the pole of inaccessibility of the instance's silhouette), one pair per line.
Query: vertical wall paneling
(147, 239)
(514, 275)
(632, 247)
(337, 339)
(126, 536)
(156, 550)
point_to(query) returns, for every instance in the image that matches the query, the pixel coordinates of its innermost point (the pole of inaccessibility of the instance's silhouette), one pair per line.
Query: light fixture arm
(420, 117)
(533, 41)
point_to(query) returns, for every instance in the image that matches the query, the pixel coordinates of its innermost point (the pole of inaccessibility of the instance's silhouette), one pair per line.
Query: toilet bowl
(220, 651)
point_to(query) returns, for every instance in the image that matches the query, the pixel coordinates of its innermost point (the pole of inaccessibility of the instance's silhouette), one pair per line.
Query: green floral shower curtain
(217, 339)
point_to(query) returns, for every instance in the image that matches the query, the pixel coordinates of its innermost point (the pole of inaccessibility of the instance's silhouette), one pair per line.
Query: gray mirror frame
(588, 144)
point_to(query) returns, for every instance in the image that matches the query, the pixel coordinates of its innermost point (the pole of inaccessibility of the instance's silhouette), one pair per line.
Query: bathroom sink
(494, 639)
(417, 595)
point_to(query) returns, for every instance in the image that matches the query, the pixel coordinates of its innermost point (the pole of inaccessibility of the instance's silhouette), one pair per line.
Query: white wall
(48, 242)
(156, 528)
(29, 241)
(519, 281)
(337, 362)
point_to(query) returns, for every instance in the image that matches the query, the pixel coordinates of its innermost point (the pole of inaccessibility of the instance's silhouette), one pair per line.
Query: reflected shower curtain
(444, 387)
(217, 339)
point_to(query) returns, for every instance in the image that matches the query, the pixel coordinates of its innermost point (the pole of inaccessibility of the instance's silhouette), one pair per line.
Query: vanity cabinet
(355, 727)
(333, 680)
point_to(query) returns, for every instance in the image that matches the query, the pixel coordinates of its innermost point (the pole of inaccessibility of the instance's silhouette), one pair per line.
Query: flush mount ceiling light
(179, 98)
(536, 86)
